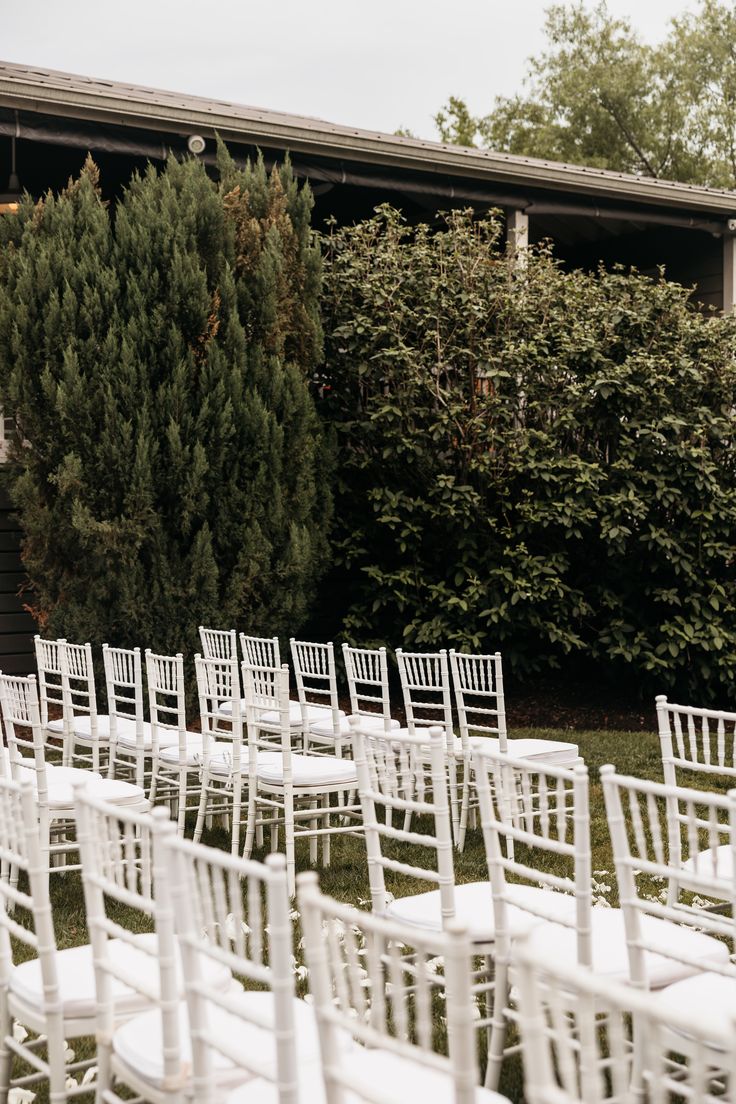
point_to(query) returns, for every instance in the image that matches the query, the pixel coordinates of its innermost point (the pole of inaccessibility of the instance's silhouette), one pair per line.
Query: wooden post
(517, 234)
(729, 273)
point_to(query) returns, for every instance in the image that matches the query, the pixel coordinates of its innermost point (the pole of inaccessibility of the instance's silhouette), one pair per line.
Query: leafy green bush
(531, 459)
(157, 360)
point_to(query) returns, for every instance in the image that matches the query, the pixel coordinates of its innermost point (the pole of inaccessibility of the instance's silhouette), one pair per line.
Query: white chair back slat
(221, 725)
(223, 903)
(218, 643)
(406, 775)
(260, 651)
(381, 983)
(368, 686)
(655, 829)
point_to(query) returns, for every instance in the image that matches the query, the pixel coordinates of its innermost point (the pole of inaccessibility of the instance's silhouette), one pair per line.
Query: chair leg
(313, 840)
(498, 1026)
(464, 806)
(290, 849)
(57, 1061)
(326, 824)
(6, 1028)
(235, 825)
(202, 810)
(250, 826)
(182, 812)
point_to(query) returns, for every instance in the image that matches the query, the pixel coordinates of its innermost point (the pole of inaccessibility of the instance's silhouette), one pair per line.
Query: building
(50, 120)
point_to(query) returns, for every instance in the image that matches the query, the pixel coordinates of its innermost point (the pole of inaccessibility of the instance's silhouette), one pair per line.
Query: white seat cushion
(314, 713)
(225, 708)
(703, 997)
(139, 1044)
(307, 770)
(126, 735)
(610, 956)
(710, 864)
(56, 725)
(82, 727)
(474, 909)
(170, 755)
(400, 1079)
(75, 971)
(61, 782)
(552, 752)
(325, 728)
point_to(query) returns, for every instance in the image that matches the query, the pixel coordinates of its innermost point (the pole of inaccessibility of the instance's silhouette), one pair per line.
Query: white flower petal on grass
(19, 1034)
(21, 1096)
(89, 1075)
(68, 1052)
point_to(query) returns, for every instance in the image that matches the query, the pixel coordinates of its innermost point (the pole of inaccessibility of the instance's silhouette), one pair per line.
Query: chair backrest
(124, 687)
(166, 697)
(260, 651)
(478, 684)
(648, 822)
(425, 685)
(25, 913)
(316, 680)
(218, 690)
(50, 679)
(405, 775)
(218, 643)
(382, 984)
(25, 734)
(79, 683)
(367, 675)
(695, 740)
(123, 864)
(527, 804)
(267, 691)
(233, 902)
(577, 1048)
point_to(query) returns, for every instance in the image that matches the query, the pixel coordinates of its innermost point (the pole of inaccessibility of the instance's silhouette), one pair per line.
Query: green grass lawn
(634, 753)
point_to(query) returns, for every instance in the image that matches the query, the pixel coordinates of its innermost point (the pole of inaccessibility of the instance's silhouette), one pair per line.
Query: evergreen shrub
(157, 359)
(532, 460)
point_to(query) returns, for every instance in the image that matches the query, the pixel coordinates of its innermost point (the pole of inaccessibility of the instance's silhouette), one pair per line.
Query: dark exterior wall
(17, 627)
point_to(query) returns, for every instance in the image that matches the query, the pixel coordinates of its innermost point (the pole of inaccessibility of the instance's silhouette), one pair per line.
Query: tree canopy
(599, 95)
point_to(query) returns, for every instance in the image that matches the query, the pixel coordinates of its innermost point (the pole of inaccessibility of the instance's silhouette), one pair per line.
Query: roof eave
(365, 147)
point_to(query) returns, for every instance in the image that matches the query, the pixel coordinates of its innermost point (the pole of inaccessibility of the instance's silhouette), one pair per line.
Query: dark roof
(28, 88)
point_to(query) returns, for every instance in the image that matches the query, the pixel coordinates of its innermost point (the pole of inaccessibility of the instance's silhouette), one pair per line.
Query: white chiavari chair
(381, 983)
(177, 770)
(323, 722)
(648, 855)
(51, 687)
(544, 812)
(481, 710)
(223, 767)
(577, 1047)
(336, 730)
(367, 674)
(133, 750)
(266, 1039)
(141, 1024)
(52, 994)
(286, 788)
(53, 785)
(698, 747)
(425, 686)
(407, 775)
(87, 728)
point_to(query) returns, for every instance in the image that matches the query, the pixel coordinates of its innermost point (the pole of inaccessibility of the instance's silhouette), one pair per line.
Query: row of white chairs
(173, 1024)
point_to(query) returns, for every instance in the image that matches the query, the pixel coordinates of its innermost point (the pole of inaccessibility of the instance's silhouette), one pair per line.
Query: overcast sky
(379, 64)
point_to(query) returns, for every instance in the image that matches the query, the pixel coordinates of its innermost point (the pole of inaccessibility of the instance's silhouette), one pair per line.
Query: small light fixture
(10, 198)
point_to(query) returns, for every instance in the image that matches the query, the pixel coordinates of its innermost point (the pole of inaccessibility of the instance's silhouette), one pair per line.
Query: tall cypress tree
(157, 361)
